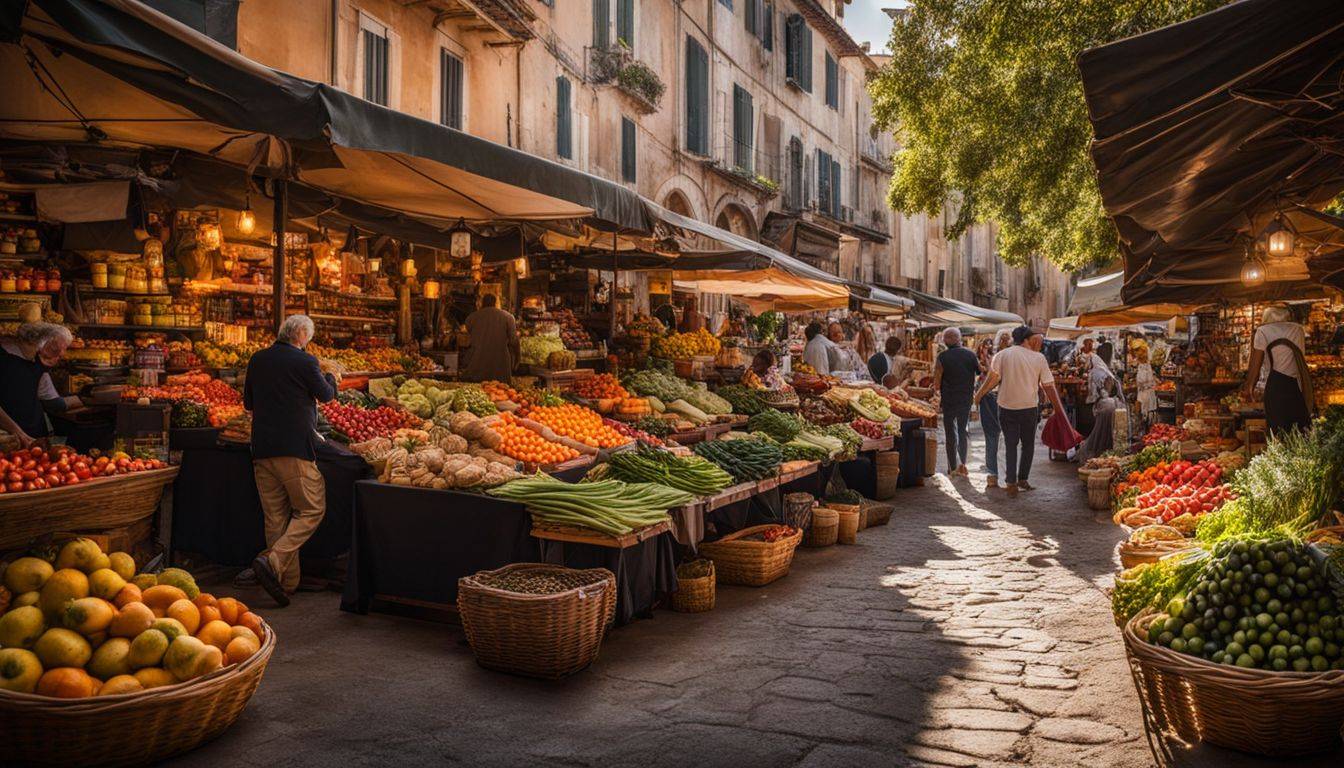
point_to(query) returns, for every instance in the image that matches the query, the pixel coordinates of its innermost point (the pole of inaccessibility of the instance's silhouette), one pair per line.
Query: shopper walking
(495, 348)
(954, 377)
(1278, 344)
(1020, 372)
(989, 406)
(282, 388)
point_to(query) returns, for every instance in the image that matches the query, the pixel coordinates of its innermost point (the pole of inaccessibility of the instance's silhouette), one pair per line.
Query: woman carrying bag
(1278, 342)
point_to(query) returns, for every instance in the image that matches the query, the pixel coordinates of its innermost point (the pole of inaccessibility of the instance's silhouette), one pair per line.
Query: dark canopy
(1206, 129)
(939, 310)
(119, 72)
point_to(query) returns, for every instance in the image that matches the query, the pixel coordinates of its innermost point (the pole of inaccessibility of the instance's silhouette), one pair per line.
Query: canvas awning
(1206, 129)
(1097, 303)
(122, 74)
(877, 301)
(938, 310)
(802, 239)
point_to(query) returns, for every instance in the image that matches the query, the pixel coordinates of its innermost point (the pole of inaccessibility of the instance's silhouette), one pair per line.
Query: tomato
(35, 451)
(70, 478)
(38, 484)
(52, 479)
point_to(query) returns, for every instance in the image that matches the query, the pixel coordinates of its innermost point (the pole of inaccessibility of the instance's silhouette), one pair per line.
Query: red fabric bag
(1059, 434)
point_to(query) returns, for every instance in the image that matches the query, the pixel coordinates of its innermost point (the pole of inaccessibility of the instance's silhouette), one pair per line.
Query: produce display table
(643, 570)
(217, 513)
(411, 545)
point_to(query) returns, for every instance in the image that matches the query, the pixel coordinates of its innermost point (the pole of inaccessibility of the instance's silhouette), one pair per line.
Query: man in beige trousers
(282, 389)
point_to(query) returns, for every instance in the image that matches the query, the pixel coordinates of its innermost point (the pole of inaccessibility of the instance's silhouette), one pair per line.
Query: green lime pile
(1257, 604)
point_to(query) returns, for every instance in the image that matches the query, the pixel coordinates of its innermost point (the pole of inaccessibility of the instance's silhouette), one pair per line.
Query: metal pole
(615, 281)
(281, 218)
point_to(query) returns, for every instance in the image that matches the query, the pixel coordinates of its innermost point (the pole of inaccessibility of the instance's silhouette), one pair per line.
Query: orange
(204, 599)
(230, 609)
(67, 683)
(128, 594)
(216, 633)
(209, 613)
(252, 621)
(186, 612)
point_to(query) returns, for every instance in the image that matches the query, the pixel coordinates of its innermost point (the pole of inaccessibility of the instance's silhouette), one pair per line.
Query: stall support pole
(278, 255)
(615, 283)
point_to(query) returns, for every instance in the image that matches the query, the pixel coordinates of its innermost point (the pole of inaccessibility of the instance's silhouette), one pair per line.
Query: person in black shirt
(954, 378)
(282, 388)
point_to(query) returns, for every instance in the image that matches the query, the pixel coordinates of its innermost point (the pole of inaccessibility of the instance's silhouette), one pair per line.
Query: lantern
(247, 220)
(460, 245)
(520, 266)
(1252, 271)
(1278, 239)
(431, 289)
(375, 263)
(408, 267)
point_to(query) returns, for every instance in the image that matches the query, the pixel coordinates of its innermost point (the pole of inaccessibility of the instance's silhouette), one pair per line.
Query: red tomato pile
(1186, 488)
(213, 392)
(1199, 474)
(35, 469)
(868, 428)
(1164, 433)
(777, 532)
(360, 424)
(625, 429)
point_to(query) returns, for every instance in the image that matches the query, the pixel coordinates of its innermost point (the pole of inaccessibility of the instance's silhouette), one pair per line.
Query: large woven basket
(1261, 712)
(888, 473)
(1132, 555)
(849, 527)
(798, 509)
(751, 563)
(547, 636)
(111, 502)
(876, 514)
(129, 728)
(825, 526)
(1099, 491)
(695, 594)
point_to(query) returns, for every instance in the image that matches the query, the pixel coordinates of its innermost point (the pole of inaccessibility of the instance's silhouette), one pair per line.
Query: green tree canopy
(986, 101)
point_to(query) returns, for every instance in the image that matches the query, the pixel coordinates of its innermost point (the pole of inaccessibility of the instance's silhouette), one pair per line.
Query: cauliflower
(417, 404)
(411, 387)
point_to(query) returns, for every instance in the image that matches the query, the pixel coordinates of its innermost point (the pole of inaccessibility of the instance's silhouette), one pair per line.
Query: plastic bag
(1059, 434)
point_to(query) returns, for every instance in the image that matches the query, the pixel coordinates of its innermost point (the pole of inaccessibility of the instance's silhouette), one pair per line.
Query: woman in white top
(1146, 381)
(1279, 343)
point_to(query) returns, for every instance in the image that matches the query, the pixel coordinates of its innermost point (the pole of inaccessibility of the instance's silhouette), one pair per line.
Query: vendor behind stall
(494, 343)
(1278, 345)
(819, 352)
(26, 391)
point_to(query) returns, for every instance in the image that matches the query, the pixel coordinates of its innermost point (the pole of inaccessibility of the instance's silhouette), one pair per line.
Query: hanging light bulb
(247, 220)
(520, 266)
(408, 268)
(1278, 238)
(375, 263)
(431, 289)
(1252, 270)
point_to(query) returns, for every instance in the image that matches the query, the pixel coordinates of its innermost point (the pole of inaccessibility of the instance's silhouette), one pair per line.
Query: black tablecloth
(642, 571)
(415, 543)
(217, 513)
(860, 474)
(911, 446)
(760, 509)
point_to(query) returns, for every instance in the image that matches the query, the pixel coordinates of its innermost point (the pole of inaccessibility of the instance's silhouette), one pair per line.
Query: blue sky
(867, 23)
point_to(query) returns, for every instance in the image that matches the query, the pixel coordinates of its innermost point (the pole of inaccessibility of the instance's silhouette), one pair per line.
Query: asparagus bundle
(610, 506)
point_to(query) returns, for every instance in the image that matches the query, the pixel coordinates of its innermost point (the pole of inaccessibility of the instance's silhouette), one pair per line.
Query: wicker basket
(888, 473)
(849, 527)
(798, 509)
(1132, 555)
(96, 505)
(825, 526)
(1099, 491)
(751, 563)
(695, 594)
(876, 514)
(547, 636)
(1252, 710)
(129, 728)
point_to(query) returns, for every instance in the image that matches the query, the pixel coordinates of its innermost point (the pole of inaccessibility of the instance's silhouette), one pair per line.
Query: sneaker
(261, 567)
(1023, 485)
(1012, 489)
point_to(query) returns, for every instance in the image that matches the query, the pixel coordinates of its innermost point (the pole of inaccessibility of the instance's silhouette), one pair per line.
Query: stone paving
(973, 630)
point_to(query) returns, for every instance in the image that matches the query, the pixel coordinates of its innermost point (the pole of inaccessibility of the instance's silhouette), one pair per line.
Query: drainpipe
(518, 87)
(335, 37)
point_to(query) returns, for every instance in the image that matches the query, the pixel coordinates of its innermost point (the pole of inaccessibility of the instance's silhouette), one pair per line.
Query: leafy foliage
(987, 103)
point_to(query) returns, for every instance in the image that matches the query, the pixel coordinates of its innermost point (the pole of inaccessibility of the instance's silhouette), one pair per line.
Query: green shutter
(564, 143)
(823, 181)
(625, 22)
(744, 121)
(832, 82)
(749, 17)
(628, 156)
(805, 34)
(697, 98)
(835, 189)
(601, 24)
(768, 27)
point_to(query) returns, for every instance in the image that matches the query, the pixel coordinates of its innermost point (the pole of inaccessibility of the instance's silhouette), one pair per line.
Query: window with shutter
(625, 22)
(768, 27)
(726, 4)
(805, 36)
(832, 82)
(796, 164)
(601, 24)
(823, 181)
(628, 156)
(792, 46)
(450, 90)
(835, 189)
(697, 98)
(744, 122)
(564, 130)
(375, 66)
(749, 17)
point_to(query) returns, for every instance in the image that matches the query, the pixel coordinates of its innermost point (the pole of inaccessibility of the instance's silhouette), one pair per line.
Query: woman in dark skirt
(1278, 345)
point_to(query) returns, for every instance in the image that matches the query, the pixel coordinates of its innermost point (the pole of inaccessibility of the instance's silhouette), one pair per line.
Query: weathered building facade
(750, 114)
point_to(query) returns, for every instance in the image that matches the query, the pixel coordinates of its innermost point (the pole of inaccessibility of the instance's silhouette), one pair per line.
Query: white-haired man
(282, 388)
(26, 391)
(954, 378)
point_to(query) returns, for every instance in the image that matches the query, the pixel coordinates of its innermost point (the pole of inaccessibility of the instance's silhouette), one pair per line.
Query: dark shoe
(269, 581)
(1012, 489)
(1023, 485)
(245, 579)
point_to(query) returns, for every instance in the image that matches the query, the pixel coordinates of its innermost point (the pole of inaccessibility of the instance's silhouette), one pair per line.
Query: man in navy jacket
(282, 389)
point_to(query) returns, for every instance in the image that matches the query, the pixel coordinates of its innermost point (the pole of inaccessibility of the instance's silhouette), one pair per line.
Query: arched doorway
(677, 203)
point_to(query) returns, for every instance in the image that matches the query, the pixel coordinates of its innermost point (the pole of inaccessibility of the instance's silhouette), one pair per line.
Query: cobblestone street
(971, 631)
